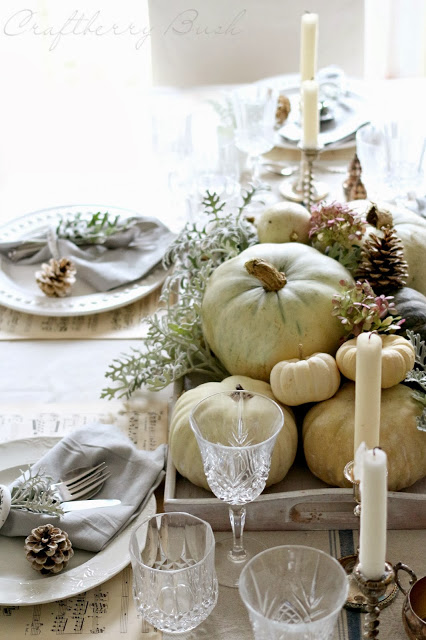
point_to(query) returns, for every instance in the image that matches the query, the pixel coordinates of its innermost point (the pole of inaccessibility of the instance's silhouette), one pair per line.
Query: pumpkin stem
(269, 276)
(301, 356)
(234, 395)
(379, 218)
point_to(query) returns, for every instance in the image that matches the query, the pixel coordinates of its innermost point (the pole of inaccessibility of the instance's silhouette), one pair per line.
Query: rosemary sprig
(175, 345)
(33, 493)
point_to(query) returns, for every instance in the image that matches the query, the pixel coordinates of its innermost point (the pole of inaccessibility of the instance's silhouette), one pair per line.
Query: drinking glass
(392, 155)
(170, 169)
(293, 593)
(236, 432)
(255, 108)
(215, 164)
(174, 580)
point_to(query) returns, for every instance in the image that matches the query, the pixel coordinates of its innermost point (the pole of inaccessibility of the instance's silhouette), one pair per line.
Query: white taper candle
(372, 538)
(308, 46)
(368, 381)
(310, 114)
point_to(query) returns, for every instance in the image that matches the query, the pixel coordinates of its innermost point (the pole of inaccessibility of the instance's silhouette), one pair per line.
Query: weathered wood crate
(300, 501)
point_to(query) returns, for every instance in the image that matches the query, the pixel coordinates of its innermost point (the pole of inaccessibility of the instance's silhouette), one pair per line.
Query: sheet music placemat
(122, 323)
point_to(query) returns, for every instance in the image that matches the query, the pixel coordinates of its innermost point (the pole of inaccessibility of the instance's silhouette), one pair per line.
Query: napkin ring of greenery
(34, 493)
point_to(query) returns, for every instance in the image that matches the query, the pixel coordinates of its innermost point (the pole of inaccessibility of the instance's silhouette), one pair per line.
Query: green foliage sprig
(359, 309)
(417, 375)
(33, 493)
(175, 345)
(81, 229)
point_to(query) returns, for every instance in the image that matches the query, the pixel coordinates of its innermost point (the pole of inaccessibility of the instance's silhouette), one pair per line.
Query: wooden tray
(300, 501)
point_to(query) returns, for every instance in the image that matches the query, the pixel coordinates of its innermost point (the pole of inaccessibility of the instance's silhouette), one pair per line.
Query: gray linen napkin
(124, 257)
(134, 476)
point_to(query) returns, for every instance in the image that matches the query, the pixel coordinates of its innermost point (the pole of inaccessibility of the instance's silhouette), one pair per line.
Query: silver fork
(83, 485)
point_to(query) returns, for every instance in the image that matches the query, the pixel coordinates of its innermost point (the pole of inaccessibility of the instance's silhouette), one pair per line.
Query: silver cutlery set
(84, 483)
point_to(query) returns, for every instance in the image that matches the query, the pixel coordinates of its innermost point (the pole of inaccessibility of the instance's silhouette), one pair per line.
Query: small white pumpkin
(284, 222)
(397, 359)
(302, 380)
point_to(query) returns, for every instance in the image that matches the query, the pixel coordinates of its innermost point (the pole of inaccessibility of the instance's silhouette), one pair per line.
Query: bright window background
(74, 116)
(395, 38)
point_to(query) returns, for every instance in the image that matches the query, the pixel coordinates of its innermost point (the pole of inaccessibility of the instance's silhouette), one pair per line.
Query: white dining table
(51, 372)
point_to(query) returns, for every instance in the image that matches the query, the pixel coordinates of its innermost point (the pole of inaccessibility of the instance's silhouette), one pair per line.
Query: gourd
(302, 380)
(183, 446)
(397, 359)
(259, 306)
(328, 436)
(284, 222)
(411, 229)
(411, 305)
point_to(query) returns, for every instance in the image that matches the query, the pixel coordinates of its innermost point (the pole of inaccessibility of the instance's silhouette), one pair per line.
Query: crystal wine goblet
(254, 109)
(236, 433)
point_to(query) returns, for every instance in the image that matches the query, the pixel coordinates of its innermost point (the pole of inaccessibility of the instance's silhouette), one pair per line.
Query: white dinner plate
(19, 583)
(19, 290)
(350, 113)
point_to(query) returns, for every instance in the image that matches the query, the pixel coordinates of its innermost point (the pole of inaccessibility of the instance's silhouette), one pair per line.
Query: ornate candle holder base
(373, 590)
(305, 189)
(356, 599)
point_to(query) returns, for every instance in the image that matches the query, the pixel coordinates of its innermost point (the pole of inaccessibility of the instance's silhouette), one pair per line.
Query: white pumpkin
(302, 380)
(183, 445)
(397, 359)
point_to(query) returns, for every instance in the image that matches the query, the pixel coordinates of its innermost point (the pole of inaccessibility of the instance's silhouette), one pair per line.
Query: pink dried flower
(338, 218)
(337, 231)
(359, 309)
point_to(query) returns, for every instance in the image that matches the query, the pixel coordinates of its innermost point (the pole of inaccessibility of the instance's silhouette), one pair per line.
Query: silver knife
(79, 505)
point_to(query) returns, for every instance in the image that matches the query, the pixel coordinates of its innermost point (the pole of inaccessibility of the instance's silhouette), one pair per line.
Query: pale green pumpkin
(328, 436)
(284, 222)
(255, 316)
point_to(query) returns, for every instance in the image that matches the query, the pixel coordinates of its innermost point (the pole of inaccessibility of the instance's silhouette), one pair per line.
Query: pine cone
(48, 549)
(56, 277)
(283, 110)
(383, 263)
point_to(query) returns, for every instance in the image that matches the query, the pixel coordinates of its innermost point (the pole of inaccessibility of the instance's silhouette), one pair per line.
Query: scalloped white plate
(18, 288)
(19, 583)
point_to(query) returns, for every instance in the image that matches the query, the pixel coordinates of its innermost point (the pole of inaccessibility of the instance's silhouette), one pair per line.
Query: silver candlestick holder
(348, 472)
(373, 590)
(305, 189)
(356, 599)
